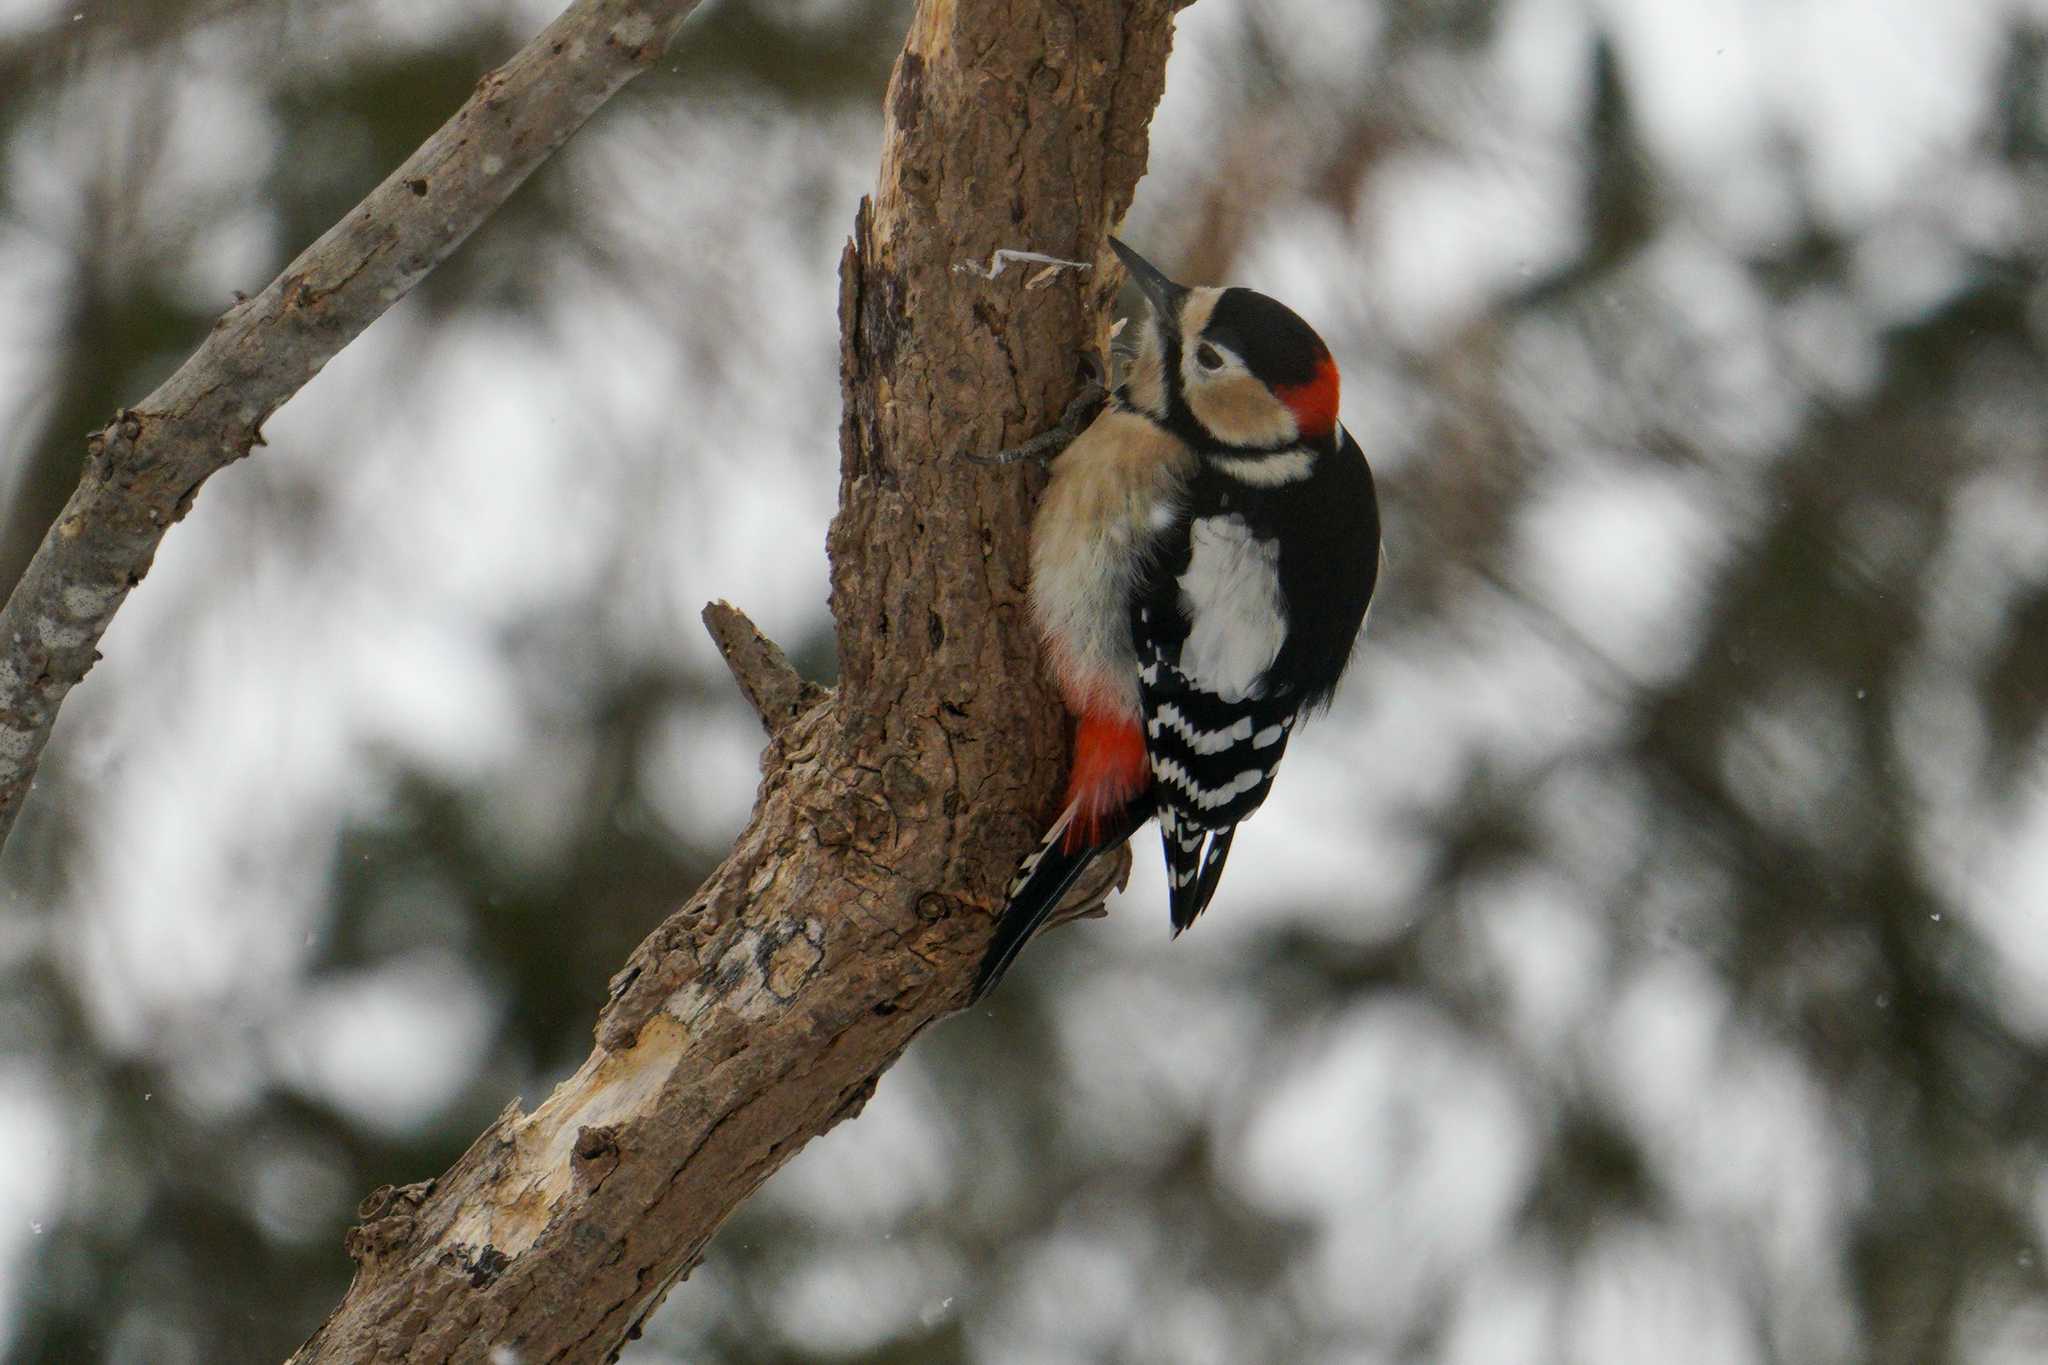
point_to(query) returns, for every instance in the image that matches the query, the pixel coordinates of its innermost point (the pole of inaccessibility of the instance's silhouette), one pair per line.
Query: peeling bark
(853, 908)
(145, 468)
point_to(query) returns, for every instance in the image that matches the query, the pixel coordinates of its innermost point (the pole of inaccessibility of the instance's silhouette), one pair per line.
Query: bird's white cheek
(1240, 411)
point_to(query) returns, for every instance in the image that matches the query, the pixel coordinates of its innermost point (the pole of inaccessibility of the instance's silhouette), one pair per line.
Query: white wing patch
(1231, 595)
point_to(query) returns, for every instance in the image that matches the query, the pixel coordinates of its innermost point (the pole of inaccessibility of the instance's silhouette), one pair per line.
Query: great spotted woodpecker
(1200, 570)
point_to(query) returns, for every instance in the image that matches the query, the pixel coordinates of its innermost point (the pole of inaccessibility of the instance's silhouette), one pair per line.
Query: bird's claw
(1080, 412)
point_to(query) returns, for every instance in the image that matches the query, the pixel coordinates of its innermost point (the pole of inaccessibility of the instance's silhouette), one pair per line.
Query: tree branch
(776, 691)
(852, 909)
(144, 469)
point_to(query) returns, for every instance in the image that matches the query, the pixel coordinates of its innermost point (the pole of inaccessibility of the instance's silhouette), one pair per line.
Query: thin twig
(144, 469)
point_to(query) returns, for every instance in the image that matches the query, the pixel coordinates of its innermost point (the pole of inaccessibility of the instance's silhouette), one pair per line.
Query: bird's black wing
(1212, 760)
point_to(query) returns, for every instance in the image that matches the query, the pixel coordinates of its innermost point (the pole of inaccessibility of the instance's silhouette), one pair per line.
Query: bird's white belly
(1113, 492)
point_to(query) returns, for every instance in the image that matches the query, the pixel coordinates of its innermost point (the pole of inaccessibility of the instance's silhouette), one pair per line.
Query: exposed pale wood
(852, 909)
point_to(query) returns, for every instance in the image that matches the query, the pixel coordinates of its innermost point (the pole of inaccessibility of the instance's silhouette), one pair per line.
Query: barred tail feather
(1194, 864)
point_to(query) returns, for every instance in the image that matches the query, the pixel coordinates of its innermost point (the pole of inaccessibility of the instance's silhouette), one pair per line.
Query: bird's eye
(1208, 357)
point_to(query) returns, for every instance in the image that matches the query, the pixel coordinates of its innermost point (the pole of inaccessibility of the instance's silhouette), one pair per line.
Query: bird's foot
(1047, 444)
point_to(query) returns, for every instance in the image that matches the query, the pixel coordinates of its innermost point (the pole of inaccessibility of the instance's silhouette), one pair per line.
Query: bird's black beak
(1163, 294)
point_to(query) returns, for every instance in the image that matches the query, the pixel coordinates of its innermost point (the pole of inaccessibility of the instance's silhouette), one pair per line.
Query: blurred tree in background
(1645, 961)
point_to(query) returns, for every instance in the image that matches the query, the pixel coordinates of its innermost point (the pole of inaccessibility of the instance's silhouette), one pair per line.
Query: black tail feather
(1030, 903)
(1043, 880)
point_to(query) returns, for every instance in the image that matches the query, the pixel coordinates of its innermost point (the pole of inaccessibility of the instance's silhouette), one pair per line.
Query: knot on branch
(595, 1155)
(388, 1220)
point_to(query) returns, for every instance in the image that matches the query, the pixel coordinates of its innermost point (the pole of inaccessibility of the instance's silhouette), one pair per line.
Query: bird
(1202, 564)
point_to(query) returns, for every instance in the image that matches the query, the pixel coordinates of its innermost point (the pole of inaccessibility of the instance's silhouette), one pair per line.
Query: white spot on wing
(1166, 770)
(1202, 741)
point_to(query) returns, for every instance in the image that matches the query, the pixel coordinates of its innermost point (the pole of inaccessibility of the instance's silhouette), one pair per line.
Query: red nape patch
(1109, 769)
(1314, 403)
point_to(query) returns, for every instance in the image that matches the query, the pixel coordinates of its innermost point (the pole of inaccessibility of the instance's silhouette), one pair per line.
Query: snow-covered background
(1645, 961)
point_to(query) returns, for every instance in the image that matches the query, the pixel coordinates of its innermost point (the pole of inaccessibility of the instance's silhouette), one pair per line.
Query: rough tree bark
(851, 910)
(143, 471)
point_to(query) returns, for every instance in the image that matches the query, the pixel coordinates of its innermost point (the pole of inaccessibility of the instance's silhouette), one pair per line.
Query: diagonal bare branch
(851, 911)
(144, 469)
